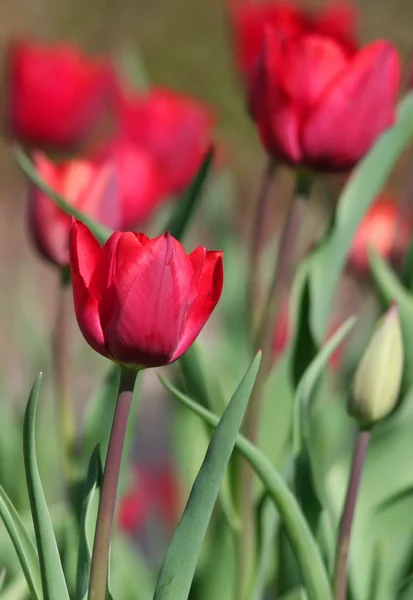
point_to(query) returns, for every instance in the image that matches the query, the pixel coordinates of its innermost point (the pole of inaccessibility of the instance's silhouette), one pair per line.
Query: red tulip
(91, 189)
(57, 95)
(281, 333)
(153, 493)
(317, 101)
(250, 19)
(382, 231)
(142, 185)
(175, 129)
(142, 301)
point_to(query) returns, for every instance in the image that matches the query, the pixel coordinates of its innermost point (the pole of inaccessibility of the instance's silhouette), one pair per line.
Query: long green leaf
(179, 565)
(53, 581)
(309, 382)
(305, 547)
(23, 544)
(88, 523)
(26, 165)
(327, 262)
(186, 206)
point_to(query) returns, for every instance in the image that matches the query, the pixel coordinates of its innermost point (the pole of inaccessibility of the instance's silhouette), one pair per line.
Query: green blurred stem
(107, 504)
(264, 342)
(61, 374)
(260, 213)
(346, 523)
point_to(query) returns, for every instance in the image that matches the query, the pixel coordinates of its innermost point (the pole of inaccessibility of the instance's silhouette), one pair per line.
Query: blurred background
(183, 44)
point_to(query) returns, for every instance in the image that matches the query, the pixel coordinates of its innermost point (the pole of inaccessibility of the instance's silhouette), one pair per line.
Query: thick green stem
(260, 212)
(61, 375)
(100, 557)
(346, 523)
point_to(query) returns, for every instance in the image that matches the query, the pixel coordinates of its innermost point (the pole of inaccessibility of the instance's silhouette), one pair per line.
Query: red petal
(84, 254)
(357, 109)
(149, 303)
(101, 197)
(49, 226)
(209, 290)
(85, 251)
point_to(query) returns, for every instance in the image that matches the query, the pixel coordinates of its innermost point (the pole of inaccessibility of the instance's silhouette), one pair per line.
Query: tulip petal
(355, 110)
(149, 302)
(209, 288)
(85, 251)
(49, 226)
(100, 198)
(84, 254)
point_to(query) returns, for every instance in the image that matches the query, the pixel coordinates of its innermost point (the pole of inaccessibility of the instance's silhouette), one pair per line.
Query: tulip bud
(378, 376)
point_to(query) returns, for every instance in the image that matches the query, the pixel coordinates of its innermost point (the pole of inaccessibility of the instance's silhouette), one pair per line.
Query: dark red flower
(56, 94)
(175, 129)
(91, 189)
(381, 230)
(142, 301)
(142, 185)
(317, 101)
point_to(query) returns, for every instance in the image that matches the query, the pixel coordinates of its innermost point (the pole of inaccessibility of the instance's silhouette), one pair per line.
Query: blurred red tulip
(91, 189)
(175, 129)
(250, 19)
(317, 101)
(142, 185)
(281, 333)
(142, 301)
(56, 94)
(152, 494)
(378, 231)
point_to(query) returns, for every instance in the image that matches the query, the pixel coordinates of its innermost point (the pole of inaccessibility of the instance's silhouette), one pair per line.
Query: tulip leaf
(178, 568)
(26, 165)
(2, 579)
(53, 581)
(314, 574)
(267, 527)
(309, 382)
(88, 523)
(391, 290)
(406, 590)
(184, 211)
(326, 263)
(197, 384)
(23, 544)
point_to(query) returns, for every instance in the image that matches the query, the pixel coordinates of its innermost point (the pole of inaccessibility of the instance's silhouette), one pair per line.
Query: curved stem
(260, 211)
(346, 523)
(100, 557)
(61, 375)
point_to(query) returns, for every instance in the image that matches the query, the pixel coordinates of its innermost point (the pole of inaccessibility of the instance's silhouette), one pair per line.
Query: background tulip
(381, 230)
(91, 189)
(142, 301)
(175, 129)
(56, 94)
(317, 101)
(142, 185)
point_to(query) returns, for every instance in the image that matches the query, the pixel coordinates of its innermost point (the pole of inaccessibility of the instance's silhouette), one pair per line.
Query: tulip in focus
(378, 376)
(175, 129)
(383, 231)
(318, 102)
(56, 94)
(89, 188)
(142, 185)
(141, 301)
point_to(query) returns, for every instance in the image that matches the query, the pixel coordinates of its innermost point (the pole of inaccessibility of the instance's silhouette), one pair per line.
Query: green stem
(260, 212)
(264, 341)
(346, 523)
(61, 374)
(100, 557)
